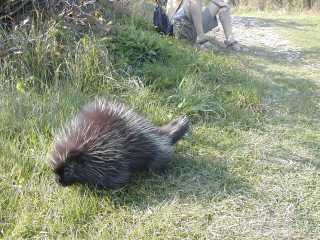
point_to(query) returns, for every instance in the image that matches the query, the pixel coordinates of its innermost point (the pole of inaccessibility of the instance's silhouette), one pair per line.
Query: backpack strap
(177, 9)
(159, 3)
(179, 6)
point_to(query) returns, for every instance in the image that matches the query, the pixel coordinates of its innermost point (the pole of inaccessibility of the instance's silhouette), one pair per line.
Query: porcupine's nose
(60, 181)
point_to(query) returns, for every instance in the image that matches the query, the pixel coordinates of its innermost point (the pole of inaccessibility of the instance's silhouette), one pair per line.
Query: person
(192, 21)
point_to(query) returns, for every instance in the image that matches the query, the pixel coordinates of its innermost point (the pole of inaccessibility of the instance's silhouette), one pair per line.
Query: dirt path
(261, 37)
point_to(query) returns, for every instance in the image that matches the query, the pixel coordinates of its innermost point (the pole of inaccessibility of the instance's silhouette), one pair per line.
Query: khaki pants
(184, 28)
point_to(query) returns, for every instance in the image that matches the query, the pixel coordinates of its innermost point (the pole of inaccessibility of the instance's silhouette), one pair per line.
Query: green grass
(247, 170)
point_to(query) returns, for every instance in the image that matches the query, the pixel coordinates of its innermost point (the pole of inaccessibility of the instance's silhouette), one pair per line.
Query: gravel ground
(260, 37)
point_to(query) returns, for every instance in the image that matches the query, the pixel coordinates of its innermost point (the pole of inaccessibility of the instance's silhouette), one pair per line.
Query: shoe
(234, 45)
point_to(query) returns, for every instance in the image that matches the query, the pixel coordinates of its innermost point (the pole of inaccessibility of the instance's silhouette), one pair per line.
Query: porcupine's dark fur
(107, 142)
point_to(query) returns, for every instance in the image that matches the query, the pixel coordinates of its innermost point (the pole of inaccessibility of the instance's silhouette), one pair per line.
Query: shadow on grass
(268, 22)
(280, 80)
(186, 180)
(288, 56)
(293, 105)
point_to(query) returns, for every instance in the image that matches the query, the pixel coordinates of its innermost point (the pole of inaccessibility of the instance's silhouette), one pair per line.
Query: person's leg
(201, 19)
(209, 21)
(195, 10)
(223, 11)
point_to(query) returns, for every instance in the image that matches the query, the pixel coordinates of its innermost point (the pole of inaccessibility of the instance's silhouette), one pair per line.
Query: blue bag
(161, 21)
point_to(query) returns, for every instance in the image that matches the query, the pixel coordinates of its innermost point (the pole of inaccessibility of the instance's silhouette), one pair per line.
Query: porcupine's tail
(176, 129)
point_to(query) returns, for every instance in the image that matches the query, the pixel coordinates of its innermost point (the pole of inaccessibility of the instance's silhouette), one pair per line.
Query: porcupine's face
(78, 168)
(65, 175)
(70, 172)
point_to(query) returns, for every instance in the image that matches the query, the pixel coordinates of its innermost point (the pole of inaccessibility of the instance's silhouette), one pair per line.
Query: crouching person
(192, 21)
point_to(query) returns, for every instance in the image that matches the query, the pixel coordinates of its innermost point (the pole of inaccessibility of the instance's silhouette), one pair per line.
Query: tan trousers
(218, 8)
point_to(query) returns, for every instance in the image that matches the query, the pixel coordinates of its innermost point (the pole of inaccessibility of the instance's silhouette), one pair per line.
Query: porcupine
(107, 142)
